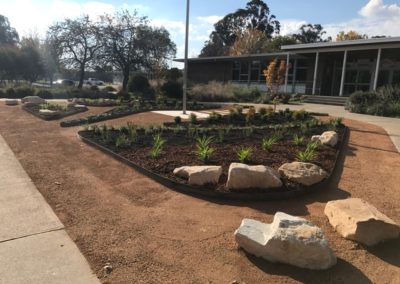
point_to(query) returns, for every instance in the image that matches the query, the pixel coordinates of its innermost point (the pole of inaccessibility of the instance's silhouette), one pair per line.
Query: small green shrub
(263, 111)
(138, 83)
(244, 154)
(193, 118)
(298, 140)
(267, 143)
(306, 156)
(10, 93)
(178, 120)
(123, 141)
(94, 88)
(109, 89)
(203, 149)
(158, 144)
(172, 89)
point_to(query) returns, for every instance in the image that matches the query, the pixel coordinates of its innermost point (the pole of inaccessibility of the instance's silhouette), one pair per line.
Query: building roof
(298, 49)
(228, 58)
(346, 43)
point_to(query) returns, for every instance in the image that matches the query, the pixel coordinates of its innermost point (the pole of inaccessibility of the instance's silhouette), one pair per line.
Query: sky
(371, 17)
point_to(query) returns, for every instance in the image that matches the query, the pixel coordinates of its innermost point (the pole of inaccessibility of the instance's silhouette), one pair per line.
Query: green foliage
(158, 144)
(44, 94)
(123, 141)
(244, 154)
(263, 111)
(193, 118)
(313, 146)
(172, 89)
(203, 149)
(247, 132)
(306, 156)
(298, 140)
(178, 120)
(109, 89)
(214, 118)
(267, 143)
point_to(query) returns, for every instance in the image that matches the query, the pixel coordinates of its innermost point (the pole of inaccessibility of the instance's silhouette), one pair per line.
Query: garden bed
(132, 108)
(180, 148)
(54, 111)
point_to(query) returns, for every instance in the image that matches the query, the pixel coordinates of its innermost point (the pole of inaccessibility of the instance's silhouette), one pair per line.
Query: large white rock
(329, 138)
(11, 102)
(291, 240)
(303, 173)
(34, 100)
(199, 175)
(357, 220)
(241, 176)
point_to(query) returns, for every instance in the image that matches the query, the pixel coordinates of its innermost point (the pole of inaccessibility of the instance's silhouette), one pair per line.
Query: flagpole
(185, 73)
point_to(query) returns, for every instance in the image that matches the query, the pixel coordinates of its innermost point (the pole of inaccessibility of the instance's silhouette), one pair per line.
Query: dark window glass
(235, 75)
(301, 75)
(383, 78)
(254, 75)
(244, 68)
(351, 76)
(396, 77)
(364, 77)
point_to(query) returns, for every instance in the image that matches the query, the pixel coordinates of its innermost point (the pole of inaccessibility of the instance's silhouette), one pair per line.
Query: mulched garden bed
(59, 113)
(180, 151)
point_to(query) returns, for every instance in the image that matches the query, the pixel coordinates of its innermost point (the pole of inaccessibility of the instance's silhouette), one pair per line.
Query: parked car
(94, 82)
(65, 82)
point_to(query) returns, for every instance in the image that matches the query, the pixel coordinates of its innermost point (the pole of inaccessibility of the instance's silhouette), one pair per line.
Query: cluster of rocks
(296, 241)
(242, 176)
(11, 102)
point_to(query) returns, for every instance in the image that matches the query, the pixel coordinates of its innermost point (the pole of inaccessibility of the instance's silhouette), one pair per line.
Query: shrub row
(384, 102)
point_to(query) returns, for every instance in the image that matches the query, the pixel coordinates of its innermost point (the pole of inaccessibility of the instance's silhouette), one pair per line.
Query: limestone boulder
(288, 239)
(11, 102)
(34, 100)
(357, 220)
(315, 138)
(329, 138)
(199, 175)
(304, 173)
(241, 176)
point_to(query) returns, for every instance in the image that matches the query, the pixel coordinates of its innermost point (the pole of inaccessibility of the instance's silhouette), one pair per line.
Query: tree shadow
(388, 251)
(342, 272)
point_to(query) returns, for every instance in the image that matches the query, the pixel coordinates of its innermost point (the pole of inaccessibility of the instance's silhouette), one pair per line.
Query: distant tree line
(254, 29)
(123, 42)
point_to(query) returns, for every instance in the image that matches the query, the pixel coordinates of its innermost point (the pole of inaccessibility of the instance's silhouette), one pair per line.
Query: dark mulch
(180, 151)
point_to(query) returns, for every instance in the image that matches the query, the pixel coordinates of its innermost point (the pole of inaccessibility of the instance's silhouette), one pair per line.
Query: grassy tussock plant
(309, 154)
(244, 154)
(298, 140)
(158, 144)
(214, 118)
(267, 143)
(203, 149)
(123, 141)
(334, 124)
(248, 132)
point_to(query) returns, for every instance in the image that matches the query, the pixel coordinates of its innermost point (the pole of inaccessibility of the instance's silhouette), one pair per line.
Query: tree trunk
(125, 80)
(81, 76)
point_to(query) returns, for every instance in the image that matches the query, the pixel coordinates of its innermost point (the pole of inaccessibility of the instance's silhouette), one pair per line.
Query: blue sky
(372, 17)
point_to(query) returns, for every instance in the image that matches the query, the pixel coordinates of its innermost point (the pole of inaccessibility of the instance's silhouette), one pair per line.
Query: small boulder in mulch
(200, 175)
(289, 239)
(241, 176)
(10, 102)
(357, 220)
(33, 100)
(303, 173)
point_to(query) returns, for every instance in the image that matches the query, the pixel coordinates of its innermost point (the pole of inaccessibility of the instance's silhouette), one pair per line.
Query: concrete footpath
(34, 246)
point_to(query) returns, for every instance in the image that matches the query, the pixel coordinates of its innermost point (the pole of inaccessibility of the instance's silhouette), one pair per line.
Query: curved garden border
(56, 116)
(196, 191)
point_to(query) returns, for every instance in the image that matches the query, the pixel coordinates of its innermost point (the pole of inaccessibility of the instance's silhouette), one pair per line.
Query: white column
(378, 63)
(343, 73)
(314, 87)
(287, 71)
(294, 76)
(185, 72)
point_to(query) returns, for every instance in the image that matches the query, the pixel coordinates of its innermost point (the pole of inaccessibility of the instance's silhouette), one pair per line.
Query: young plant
(306, 156)
(193, 118)
(123, 141)
(203, 149)
(158, 144)
(267, 143)
(313, 146)
(178, 120)
(244, 154)
(298, 140)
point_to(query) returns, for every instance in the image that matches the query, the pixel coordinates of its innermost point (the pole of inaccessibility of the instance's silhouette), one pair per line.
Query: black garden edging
(56, 116)
(197, 191)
